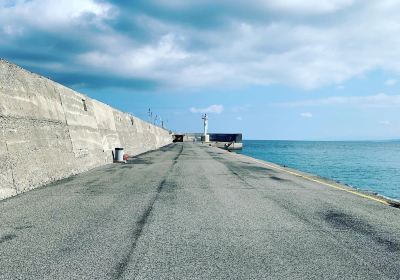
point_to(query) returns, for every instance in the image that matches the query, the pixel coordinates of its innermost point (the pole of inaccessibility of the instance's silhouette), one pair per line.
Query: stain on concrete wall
(6, 176)
(83, 129)
(106, 127)
(49, 132)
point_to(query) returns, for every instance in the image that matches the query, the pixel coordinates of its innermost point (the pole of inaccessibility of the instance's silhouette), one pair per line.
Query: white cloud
(391, 82)
(152, 61)
(309, 6)
(49, 14)
(305, 43)
(309, 55)
(380, 100)
(386, 123)
(239, 118)
(306, 115)
(215, 109)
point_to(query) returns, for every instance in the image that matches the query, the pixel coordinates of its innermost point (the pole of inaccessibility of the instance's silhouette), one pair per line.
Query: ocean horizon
(369, 165)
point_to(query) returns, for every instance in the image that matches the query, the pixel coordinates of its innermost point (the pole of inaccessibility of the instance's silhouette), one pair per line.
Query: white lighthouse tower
(205, 137)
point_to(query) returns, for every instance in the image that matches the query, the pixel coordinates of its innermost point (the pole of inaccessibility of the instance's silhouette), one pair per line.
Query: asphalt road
(194, 212)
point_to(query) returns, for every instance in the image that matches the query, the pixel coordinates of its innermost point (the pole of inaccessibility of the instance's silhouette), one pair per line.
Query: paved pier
(194, 212)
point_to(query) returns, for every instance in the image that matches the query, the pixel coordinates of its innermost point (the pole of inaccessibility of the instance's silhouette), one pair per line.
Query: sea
(372, 166)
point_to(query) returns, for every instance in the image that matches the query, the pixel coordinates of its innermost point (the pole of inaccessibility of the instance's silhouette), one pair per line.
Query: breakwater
(49, 132)
(191, 211)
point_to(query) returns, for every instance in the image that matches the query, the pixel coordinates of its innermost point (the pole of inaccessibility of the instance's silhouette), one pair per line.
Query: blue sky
(289, 69)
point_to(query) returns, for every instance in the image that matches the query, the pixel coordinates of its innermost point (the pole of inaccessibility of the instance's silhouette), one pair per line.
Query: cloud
(48, 14)
(391, 82)
(186, 44)
(139, 62)
(380, 100)
(385, 123)
(239, 118)
(215, 109)
(306, 115)
(308, 7)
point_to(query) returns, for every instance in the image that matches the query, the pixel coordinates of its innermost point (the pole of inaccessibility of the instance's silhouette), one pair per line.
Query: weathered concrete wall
(109, 137)
(49, 132)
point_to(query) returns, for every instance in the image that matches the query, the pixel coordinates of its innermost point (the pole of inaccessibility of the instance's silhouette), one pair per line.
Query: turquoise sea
(368, 165)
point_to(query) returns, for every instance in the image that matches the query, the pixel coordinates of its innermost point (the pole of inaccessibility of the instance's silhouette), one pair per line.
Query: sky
(287, 69)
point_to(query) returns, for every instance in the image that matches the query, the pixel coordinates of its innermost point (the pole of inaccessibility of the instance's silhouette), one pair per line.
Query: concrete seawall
(49, 132)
